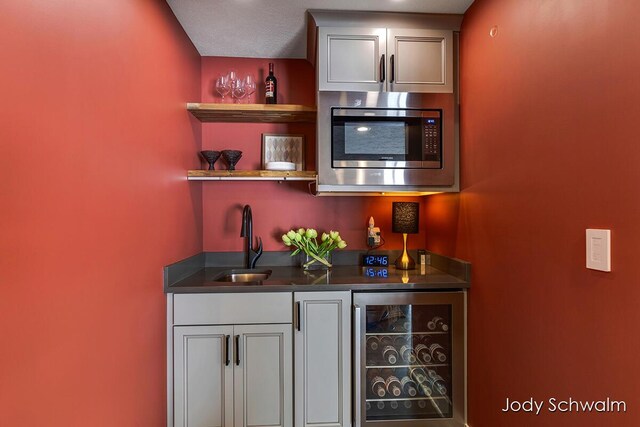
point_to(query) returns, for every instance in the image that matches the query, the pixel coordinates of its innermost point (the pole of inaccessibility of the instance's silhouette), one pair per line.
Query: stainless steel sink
(242, 276)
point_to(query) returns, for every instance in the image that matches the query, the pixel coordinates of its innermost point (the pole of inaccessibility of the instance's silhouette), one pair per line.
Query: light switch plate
(599, 249)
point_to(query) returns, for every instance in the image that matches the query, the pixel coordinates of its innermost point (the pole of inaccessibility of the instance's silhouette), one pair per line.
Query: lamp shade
(405, 217)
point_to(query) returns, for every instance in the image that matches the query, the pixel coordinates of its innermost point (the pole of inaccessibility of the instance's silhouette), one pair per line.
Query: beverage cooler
(409, 353)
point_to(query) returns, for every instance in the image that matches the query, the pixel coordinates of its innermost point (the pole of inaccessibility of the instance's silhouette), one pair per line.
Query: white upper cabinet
(385, 59)
(420, 60)
(352, 59)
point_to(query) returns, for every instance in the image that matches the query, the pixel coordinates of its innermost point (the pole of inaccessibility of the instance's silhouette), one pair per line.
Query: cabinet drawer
(225, 309)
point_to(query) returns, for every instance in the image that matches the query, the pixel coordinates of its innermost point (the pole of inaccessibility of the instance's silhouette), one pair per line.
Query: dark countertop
(338, 278)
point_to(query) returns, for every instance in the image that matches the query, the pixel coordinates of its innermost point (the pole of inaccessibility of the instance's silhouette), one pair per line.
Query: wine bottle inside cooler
(407, 354)
(380, 405)
(408, 386)
(408, 404)
(373, 342)
(393, 404)
(436, 381)
(437, 323)
(393, 385)
(422, 353)
(385, 340)
(420, 378)
(378, 385)
(390, 354)
(401, 325)
(437, 352)
(271, 87)
(399, 340)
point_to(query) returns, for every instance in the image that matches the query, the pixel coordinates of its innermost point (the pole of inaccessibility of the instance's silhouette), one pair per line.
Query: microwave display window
(386, 138)
(381, 138)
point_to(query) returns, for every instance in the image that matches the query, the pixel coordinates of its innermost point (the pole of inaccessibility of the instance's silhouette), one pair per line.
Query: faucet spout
(250, 255)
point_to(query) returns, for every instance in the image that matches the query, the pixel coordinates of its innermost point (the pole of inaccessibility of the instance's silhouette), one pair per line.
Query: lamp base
(404, 261)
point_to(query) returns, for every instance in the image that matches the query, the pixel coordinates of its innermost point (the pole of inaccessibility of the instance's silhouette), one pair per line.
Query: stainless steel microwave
(388, 138)
(386, 142)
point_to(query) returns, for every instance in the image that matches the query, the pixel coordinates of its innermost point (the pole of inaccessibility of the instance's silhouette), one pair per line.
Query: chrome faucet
(250, 255)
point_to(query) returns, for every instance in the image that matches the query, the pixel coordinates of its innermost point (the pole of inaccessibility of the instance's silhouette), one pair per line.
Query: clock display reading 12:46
(375, 260)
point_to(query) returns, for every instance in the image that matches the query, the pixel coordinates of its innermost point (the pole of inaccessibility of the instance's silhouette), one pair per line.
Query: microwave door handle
(382, 68)
(357, 365)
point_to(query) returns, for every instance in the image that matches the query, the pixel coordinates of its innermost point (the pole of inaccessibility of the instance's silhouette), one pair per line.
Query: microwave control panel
(432, 139)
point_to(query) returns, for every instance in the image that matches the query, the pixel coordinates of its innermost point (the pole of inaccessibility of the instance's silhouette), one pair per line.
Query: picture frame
(283, 148)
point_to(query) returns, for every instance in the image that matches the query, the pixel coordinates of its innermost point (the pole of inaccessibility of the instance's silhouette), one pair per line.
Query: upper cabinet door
(263, 375)
(351, 59)
(420, 60)
(203, 379)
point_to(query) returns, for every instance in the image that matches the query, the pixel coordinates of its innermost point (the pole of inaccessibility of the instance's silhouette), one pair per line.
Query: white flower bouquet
(306, 241)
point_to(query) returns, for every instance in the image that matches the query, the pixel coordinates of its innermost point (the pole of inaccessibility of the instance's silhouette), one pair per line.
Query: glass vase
(311, 263)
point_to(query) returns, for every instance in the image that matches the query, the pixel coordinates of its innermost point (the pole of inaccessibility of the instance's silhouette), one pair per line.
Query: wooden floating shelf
(253, 113)
(261, 175)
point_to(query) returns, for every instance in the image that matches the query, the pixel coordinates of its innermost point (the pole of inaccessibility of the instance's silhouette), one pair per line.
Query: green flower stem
(317, 258)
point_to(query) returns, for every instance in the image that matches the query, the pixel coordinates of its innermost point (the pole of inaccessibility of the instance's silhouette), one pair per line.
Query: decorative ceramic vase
(231, 157)
(311, 263)
(211, 157)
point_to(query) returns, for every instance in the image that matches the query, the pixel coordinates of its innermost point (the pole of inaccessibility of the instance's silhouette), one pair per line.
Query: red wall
(278, 207)
(549, 148)
(95, 143)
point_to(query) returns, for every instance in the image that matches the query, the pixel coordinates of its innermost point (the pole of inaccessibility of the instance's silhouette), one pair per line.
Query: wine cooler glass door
(411, 358)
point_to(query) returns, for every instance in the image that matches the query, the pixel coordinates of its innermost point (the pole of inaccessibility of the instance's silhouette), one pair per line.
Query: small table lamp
(405, 220)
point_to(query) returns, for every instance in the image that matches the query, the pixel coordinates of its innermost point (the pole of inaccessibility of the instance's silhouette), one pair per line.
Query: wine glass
(249, 86)
(222, 86)
(238, 89)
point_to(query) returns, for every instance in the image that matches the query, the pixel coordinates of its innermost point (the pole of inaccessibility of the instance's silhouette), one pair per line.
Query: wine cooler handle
(298, 327)
(383, 66)
(357, 367)
(226, 350)
(392, 69)
(237, 338)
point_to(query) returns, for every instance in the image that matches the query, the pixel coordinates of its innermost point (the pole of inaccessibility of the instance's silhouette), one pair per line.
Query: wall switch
(599, 249)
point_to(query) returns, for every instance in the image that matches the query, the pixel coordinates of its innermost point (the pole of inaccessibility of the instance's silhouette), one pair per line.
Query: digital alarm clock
(375, 260)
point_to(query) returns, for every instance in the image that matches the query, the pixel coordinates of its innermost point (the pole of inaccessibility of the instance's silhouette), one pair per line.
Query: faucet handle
(259, 251)
(255, 254)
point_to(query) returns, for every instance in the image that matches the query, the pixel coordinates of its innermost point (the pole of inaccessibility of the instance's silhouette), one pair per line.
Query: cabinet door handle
(392, 69)
(237, 338)
(383, 66)
(226, 350)
(298, 315)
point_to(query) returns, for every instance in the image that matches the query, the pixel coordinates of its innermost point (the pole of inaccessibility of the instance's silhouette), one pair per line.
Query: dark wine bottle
(390, 354)
(437, 352)
(271, 87)
(378, 384)
(409, 386)
(372, 342)
(437, 323)
(393, 386)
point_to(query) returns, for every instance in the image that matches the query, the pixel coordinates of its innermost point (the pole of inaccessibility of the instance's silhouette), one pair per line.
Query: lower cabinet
(203, 376)
(241, 373)
(322, 359)
(238, 375)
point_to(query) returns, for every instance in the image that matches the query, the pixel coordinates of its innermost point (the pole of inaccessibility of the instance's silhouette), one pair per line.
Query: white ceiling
(276, 28)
